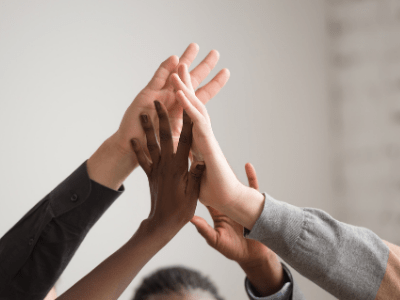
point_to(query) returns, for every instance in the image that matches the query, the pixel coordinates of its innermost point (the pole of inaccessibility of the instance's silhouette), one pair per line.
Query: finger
(201, 71)
(205, 230)
(251, 176)
(214, 212)
(185, 142)
(179, 85)
(185, 76)
(209, 90)
(141, 156)
(192, 111)
(195, 174)
(166, 143)
(161, 75)
(190, 54)
(152, 144)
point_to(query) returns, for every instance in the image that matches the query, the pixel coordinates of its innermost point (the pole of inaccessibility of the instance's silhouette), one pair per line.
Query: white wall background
(68, 71)
(365, 101)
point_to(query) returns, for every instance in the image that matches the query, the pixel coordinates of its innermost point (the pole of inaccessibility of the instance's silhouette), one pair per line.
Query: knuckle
(185, 139)
(152, 147)
(165, 135)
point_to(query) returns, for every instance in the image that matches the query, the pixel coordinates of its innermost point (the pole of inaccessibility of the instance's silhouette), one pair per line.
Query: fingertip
(174, 59)
(215, 53)
(226, 72)
(157, 105)
(195, 46)
(175, 79)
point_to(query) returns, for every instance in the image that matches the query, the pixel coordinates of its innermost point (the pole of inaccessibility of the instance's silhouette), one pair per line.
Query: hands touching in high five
(260, 264)
(174, 193)
(112, 163)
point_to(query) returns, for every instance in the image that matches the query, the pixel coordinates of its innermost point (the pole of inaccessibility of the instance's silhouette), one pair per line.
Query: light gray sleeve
(347, 261)
(289, 291)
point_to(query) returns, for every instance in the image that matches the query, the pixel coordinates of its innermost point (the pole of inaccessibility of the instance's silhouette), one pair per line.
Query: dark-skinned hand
(260, 263)
(174, 190)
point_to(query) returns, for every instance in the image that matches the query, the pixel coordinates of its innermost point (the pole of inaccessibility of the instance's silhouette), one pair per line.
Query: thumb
(205, 230)
(195, 174)
(251, 176)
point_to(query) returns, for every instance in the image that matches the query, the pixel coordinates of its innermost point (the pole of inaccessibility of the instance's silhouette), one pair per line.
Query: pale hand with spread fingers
(220, 187)
(161, 89)
(261, 264)
(112, 163)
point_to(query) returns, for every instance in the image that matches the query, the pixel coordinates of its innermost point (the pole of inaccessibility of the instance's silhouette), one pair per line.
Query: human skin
(220, 187)
(114, 161)
(174, 193)
(261, 264)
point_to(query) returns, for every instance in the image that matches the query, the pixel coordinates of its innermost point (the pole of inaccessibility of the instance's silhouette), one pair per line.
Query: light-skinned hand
(220, 187)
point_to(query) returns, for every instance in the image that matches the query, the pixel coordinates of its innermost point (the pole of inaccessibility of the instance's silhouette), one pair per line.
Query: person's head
(176, 283)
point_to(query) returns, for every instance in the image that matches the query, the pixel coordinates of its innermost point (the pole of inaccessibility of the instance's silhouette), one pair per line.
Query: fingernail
(200, 167)
(144, 118)
(157, 104)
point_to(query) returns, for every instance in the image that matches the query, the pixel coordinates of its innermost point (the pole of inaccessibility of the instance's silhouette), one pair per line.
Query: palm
(227, 235)
(161, 89)
(230, 241)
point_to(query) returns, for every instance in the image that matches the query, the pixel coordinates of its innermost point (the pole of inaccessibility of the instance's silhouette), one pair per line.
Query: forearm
(111, 164)
(112, 276)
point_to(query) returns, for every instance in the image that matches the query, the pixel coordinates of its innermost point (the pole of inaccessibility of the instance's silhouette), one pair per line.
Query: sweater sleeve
(347, 261)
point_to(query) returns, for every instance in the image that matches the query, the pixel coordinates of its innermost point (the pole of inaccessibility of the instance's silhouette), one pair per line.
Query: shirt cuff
(285, 293)
(75, 190)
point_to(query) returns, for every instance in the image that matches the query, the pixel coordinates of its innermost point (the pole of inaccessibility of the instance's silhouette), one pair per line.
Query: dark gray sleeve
(289, 291)
(347, 261)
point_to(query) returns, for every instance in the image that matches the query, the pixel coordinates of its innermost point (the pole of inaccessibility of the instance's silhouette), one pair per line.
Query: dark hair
(174, 280)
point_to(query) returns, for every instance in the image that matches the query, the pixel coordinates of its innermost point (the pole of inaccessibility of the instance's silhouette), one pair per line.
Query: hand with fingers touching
(260, 264)
(174, 193)
(112, 163)
(220, 187)
(174, 190)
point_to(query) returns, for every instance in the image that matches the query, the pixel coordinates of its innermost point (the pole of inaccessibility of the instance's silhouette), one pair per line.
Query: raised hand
(112, 163)
(261, 264)
(174, 190)
(174, 193)
(160, 88)
(220, 187)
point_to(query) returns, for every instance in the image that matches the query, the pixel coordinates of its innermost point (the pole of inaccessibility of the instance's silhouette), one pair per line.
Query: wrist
(158, 230)
(246, 207)
(110, 165)
(265, 275)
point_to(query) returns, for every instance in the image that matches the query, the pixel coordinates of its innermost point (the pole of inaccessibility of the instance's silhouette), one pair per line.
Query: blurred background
(313, 102)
